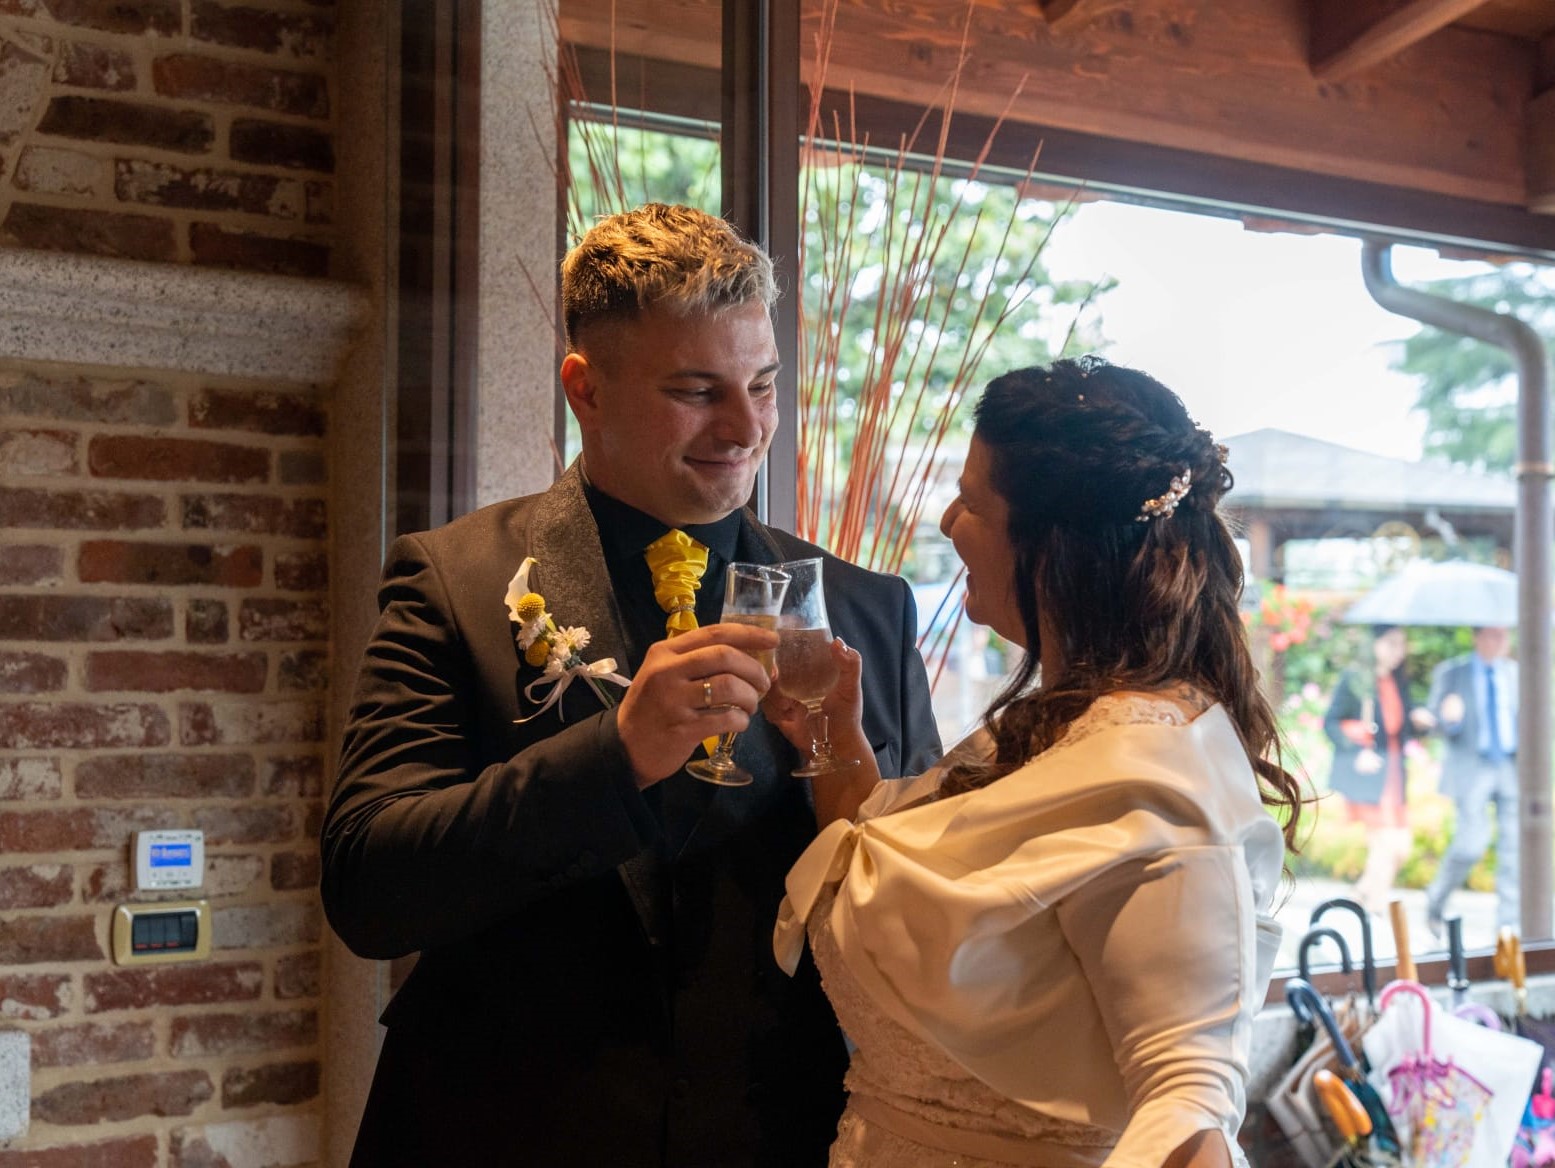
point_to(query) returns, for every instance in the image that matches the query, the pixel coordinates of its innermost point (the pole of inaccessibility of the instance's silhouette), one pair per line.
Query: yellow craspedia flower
(539, 649)
(530, 605)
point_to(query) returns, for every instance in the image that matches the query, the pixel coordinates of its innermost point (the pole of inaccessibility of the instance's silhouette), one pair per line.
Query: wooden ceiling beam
(1540, 164)
(1062, 13)
(1205, 76)
(1340, 47)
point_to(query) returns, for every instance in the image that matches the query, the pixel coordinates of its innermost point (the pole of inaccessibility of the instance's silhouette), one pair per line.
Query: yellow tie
(677, 562)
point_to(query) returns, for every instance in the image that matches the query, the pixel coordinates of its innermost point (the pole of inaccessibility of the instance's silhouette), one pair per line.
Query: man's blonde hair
(661, 255)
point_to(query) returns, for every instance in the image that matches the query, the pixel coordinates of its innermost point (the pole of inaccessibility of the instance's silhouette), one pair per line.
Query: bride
(1048, 950)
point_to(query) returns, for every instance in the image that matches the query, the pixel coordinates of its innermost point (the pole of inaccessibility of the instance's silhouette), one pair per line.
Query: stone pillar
(517, 351)
(515, 367)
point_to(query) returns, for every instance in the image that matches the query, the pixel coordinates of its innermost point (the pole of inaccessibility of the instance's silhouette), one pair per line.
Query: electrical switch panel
(170, 931)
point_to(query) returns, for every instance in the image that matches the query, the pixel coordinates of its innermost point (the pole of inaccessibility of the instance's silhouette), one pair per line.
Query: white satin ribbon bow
(594, 672)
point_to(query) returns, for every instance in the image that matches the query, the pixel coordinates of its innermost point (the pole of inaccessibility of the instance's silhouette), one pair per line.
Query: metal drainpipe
(1531, 553)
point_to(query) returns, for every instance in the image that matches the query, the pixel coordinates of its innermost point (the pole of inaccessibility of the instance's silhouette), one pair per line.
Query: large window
(1361, 441)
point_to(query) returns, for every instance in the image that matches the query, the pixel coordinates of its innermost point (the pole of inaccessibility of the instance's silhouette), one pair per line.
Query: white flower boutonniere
(558, 650)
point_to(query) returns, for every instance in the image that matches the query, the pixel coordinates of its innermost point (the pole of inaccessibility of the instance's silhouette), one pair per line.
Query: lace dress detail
(896, 1068)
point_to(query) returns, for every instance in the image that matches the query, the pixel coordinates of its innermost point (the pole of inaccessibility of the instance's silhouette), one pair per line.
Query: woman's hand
(838, 793)
(844, 705)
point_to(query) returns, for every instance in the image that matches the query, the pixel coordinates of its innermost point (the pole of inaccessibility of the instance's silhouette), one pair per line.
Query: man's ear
(578, 384)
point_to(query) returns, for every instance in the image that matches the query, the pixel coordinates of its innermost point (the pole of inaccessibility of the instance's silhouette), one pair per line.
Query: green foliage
(977, 268)
(614, 168)
(1310, 667)
(918, 287)
(1467, 389)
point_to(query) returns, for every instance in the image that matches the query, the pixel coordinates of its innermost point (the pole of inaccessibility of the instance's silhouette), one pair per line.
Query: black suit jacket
(596, 983)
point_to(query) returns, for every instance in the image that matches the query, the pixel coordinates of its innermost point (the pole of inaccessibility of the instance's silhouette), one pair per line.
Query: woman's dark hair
(1140, 600)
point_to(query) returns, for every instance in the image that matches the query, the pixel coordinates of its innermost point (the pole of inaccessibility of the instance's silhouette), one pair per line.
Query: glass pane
(1364, 447)
(1361, 444)
(622, 159)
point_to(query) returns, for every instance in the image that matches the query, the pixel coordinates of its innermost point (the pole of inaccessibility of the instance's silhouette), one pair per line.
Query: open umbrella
(1451, 593)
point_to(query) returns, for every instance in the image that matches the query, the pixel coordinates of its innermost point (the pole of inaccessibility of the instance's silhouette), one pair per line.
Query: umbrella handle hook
(1415, 990)
(1311, 938)
(1308, 1005)
(1368, 955)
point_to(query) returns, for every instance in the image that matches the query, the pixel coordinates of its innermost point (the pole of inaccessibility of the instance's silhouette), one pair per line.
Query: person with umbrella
(1370, 717)
(1474, 699)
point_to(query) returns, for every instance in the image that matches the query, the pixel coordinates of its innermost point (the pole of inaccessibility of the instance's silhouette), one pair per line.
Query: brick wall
(163, 662)
(184, 131)
(164, 624)
(163, 590)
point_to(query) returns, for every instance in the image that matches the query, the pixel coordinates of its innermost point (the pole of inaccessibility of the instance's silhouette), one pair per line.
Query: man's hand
(1452, 709)
(697, 685)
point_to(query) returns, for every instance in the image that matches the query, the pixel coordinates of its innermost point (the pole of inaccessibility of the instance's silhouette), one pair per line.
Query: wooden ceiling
(1447, 99)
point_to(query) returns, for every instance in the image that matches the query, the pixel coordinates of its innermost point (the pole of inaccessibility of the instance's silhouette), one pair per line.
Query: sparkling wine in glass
(806, 671)
(753, 595)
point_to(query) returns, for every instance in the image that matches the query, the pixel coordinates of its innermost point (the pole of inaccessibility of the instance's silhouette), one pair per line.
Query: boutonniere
(557, 650)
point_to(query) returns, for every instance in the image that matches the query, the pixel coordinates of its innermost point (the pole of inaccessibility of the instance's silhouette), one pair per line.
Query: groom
(595, 982)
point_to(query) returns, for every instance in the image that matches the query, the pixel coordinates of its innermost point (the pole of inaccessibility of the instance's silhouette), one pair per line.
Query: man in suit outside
(1474, 698)
(595, 982)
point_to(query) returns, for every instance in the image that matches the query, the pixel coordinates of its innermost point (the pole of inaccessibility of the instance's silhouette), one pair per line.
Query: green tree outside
(1468, 390)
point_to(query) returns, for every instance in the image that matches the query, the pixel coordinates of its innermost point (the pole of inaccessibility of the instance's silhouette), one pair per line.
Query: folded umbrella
(1306, 1003)
(1469, 1085)
(1368, 954)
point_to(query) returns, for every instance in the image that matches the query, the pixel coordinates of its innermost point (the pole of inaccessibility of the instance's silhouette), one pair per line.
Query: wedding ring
(707, 693)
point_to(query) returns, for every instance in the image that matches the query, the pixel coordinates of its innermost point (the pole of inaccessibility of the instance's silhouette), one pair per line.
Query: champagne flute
(753, 595)
(806, 671)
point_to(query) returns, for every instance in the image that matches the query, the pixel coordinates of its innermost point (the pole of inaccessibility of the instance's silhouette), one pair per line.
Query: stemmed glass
(753, 595)
(805, 669)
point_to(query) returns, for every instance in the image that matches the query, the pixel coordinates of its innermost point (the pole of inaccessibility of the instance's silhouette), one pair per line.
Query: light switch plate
(172, 930)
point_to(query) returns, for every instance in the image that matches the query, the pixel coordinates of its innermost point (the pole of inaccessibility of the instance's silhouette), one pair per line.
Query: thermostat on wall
(169, 859)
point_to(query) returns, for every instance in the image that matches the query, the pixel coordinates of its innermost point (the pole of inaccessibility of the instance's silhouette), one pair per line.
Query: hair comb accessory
(1162, 506)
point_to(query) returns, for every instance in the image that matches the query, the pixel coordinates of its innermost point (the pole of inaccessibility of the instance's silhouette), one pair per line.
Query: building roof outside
(1279, 470)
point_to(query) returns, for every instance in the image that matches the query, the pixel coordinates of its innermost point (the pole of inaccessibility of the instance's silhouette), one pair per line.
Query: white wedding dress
(913, 1105)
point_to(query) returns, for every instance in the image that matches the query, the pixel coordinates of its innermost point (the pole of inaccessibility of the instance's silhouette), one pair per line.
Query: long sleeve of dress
(1169, 947)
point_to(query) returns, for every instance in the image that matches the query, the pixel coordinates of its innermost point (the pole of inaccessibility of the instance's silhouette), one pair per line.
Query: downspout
(1531, 555)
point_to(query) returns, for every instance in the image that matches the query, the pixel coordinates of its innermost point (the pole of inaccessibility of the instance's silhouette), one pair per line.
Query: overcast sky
(1252, 329)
